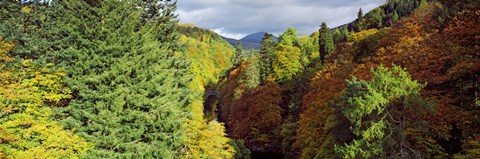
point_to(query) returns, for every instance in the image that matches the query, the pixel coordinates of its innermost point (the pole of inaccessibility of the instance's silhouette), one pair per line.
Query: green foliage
(287, 60)
(368, 105)
(309, 47)
(287, 63)
(130, 85)
(345, 33)
(208, 53)
(242, 152)
(289, 37)
(326, 45)
(385, 15)
(24, 24)
(375, 18)
(238, 55)
(422, 3)
(267, 55)
(453, 9)
(338, 36)
(252, 72)
(360, 21)
(136, 85)
(395, 17)
(288, 134)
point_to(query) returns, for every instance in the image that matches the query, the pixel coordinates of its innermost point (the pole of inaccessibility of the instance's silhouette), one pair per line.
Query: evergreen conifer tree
(325, 41)
(129, 83)
(23, 22)
(267, 54)
(360, 22)
(238, 55)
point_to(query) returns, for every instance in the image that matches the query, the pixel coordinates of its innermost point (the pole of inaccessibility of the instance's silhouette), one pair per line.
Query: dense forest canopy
(123, 79)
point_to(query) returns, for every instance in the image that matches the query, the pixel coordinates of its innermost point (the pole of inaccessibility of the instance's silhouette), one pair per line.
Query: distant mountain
(233, 42)
(253, 38)
(251, 41)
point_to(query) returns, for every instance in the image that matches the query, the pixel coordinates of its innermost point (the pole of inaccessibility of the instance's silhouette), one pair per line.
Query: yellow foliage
(209, 59)
(358, 36)
(287, 63)
(26, 9)
(4, 48)
(205, 140)
(26, 127)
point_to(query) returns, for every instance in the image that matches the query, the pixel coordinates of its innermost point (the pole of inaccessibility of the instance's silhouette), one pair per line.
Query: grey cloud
(241, 17)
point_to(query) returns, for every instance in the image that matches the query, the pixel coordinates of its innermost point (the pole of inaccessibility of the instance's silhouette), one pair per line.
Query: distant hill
(251, 41)
(385, 15)
(208, 52)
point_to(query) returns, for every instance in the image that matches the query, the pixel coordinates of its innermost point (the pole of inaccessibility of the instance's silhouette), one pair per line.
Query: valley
(126, 79)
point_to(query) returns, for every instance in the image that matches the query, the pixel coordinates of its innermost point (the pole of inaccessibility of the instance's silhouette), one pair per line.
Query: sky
(238, 18)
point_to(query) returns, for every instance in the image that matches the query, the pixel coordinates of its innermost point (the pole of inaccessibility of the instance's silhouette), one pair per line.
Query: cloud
(236, 18)
(227, 34)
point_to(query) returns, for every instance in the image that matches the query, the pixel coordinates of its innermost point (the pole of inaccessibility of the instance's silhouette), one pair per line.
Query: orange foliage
(407, 44)
(264, 107)
(251, 114)
(231, 90)
(446, 60)
(257, 110)
(317, 117)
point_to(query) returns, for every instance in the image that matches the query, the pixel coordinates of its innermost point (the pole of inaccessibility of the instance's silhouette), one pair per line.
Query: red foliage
(314, 124)
(263, 104)
(447, 61)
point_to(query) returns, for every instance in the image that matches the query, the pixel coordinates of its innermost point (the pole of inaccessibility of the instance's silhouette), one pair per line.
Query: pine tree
(345, 33)
(238, 55)
(360, 22)
(23, 22)
(326, 45)
(252, 72)
(129, 83)
(267, 55)
(375, 18)
(337, 36)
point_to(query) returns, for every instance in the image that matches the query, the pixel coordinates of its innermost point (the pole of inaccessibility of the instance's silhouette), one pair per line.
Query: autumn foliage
(27, 96)
(401, 81)
(444, 58)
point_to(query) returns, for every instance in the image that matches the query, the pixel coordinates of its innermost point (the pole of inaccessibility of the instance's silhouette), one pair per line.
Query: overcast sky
(237, 18)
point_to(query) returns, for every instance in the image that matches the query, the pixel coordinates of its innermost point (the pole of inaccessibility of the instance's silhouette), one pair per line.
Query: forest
(125, 79)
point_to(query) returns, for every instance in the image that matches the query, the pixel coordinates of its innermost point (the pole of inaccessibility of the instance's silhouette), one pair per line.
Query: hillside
(123, 79)
(405, 91)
